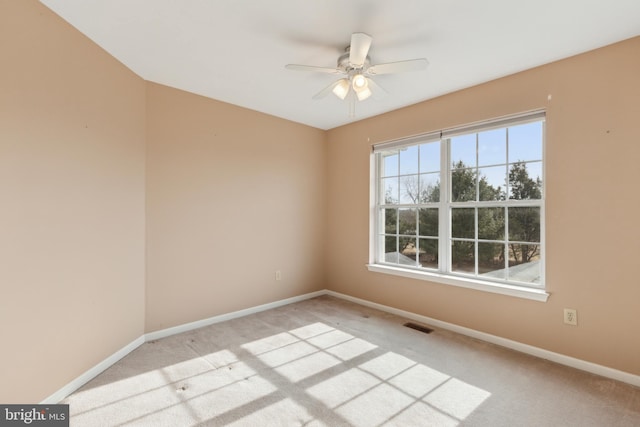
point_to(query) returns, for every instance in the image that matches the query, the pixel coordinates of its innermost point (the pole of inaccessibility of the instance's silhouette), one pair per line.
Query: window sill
(496, 288)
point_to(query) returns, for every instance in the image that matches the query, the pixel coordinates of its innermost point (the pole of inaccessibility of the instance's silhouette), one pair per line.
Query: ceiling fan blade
(398, 67)
(327, 90)
(359, 49)
(376, 90)
(297, 67)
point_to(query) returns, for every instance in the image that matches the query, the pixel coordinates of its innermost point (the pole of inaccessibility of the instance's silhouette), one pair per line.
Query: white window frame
(441, 275)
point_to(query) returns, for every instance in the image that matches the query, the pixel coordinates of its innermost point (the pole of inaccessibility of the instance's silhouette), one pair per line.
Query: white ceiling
(235, 50)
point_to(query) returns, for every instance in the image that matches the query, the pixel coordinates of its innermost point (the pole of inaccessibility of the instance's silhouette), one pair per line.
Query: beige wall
(222, 181)
(72, 133)
(232, 195)
(592, 206)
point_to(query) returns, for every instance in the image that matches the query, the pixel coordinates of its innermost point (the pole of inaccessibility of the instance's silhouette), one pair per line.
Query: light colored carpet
(328, 362)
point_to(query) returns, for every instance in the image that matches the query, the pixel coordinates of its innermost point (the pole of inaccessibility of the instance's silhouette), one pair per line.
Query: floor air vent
(418, 327)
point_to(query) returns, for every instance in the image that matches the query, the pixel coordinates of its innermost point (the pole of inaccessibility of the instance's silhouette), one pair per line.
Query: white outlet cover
(570, 316)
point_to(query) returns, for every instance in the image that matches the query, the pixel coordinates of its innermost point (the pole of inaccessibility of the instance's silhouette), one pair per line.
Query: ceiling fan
(355, 65)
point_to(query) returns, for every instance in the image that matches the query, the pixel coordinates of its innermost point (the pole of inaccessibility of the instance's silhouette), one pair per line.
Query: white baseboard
(228, 316)
(109, 361)
(93, 372)
(514, 345)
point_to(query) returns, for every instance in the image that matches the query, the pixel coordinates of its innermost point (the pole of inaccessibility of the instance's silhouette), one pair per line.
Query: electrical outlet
(278, 275)
(570, 316)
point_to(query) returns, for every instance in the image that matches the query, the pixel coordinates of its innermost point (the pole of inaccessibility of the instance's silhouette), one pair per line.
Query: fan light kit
(355, 66)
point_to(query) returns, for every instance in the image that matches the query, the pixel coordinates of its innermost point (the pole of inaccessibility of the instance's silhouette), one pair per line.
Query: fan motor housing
(344, 64)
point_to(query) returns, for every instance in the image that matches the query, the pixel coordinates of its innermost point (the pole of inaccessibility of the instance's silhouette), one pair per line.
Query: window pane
(428, 253)
(525, 181)
(409, 189)
(390, 249)
(389, 217)
(491, 223)
(463, 185)
(492, 147)
(430, 157)
(409, 160)
(535, 170)
(491, 260)
(463, 223)
(463, 257)
(493, 182)
(408, 253)
(390, 163)
(524, 224)
(491, 207)
(523, 253)
(407, 221)
(428, 222)
(429, 188)
(525, 142)
(524, 263)
(463, 151)
(390, 189)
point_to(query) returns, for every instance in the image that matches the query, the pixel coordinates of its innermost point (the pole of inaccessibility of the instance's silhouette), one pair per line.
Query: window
(465, 203)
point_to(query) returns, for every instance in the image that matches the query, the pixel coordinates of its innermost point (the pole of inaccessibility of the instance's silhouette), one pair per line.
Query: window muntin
(488, 226)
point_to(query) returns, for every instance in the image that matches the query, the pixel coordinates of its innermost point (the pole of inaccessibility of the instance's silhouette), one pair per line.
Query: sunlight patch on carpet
(307, 366)
(343, 387)
(457, 398)
(351, 349)
(273, 415)
(315, 375)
